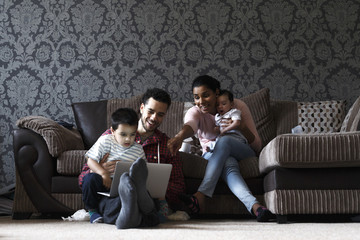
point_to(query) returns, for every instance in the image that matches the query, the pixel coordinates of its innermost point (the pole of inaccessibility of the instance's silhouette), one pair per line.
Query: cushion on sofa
(285, 115)
(70, 162)
(352, 119)
(57, 137)
(321, 117)
(90, 119)
(313, 117)
(311, 151)
(115, 103)
(93, 118)
(259, 106)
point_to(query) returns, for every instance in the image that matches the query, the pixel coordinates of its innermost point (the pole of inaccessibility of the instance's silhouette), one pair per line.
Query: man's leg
(129, 216)
(139, 174)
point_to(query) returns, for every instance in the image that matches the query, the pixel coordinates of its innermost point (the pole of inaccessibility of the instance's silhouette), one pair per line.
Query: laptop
(156, 183)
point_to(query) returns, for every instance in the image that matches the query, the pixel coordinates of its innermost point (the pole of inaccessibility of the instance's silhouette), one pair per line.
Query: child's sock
(129, 216)
(139, 173)
(92, 211)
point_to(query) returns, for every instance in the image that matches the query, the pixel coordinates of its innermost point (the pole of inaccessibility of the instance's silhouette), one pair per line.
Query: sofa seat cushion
(69, 163)
(311, 151)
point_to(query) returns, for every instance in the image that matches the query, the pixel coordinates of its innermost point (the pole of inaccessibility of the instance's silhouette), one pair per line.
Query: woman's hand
(174, 144)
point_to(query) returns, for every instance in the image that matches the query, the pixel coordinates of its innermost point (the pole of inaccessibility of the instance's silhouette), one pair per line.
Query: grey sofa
(49, 157)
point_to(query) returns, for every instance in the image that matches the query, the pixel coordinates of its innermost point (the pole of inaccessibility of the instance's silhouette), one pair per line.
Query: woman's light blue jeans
(224, 161)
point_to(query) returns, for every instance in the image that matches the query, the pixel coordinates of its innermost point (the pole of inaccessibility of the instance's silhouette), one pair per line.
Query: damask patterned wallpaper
(55, 52)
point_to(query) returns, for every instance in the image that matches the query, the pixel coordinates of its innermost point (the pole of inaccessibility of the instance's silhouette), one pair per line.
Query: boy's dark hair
(124, 116)
(227, 93)
(206, 81)
(158, 95)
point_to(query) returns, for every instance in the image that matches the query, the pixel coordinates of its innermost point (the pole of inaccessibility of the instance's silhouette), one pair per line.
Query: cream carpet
(177, 230)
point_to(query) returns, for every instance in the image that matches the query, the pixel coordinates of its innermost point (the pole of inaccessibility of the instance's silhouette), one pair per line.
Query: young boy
(120, 145)
(225, 113)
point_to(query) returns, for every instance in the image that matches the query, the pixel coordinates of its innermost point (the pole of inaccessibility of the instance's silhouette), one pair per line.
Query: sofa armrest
(311, 151)
(57, 137)
(36, 168)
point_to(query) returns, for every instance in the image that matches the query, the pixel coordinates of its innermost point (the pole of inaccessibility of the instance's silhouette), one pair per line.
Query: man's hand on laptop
(108, 166)
(106, 180)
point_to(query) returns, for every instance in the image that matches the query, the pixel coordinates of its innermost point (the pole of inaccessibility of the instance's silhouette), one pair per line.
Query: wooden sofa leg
(281, 218)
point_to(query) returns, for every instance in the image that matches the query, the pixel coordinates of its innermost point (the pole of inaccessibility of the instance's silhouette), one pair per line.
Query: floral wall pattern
(55, 52)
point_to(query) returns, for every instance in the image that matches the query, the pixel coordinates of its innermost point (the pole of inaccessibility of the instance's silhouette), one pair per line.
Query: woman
(223, 160)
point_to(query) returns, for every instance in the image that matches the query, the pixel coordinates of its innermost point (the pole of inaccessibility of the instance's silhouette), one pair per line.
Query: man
(155, 103)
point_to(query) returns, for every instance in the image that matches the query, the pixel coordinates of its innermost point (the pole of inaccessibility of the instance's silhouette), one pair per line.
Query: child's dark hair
(206, 81)
(124, 116)
(227, 93)
(158, 95)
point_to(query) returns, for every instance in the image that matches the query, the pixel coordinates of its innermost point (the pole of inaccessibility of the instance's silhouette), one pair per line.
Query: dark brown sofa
(49, 157)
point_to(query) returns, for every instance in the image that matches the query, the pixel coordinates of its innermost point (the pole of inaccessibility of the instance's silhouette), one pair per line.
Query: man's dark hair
(158, 95)
(124, 116)
(206, 81)
(227, 93)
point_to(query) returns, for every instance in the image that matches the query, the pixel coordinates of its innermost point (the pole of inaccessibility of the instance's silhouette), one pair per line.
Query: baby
(227, 119)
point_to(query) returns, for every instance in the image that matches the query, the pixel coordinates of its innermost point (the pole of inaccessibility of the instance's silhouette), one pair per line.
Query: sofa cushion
(313, 117)
(285, 115)
(259, 105)
(352, 119)
(322, 116)
(311, 151)
(70, 162)
(116, 103)
(93, 118)
(57, 137)
(90, 118)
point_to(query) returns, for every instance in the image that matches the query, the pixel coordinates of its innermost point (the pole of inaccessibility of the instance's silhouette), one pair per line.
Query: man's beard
(144, 122)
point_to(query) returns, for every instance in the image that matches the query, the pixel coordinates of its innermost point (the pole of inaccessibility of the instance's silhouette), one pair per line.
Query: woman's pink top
(204, 123)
